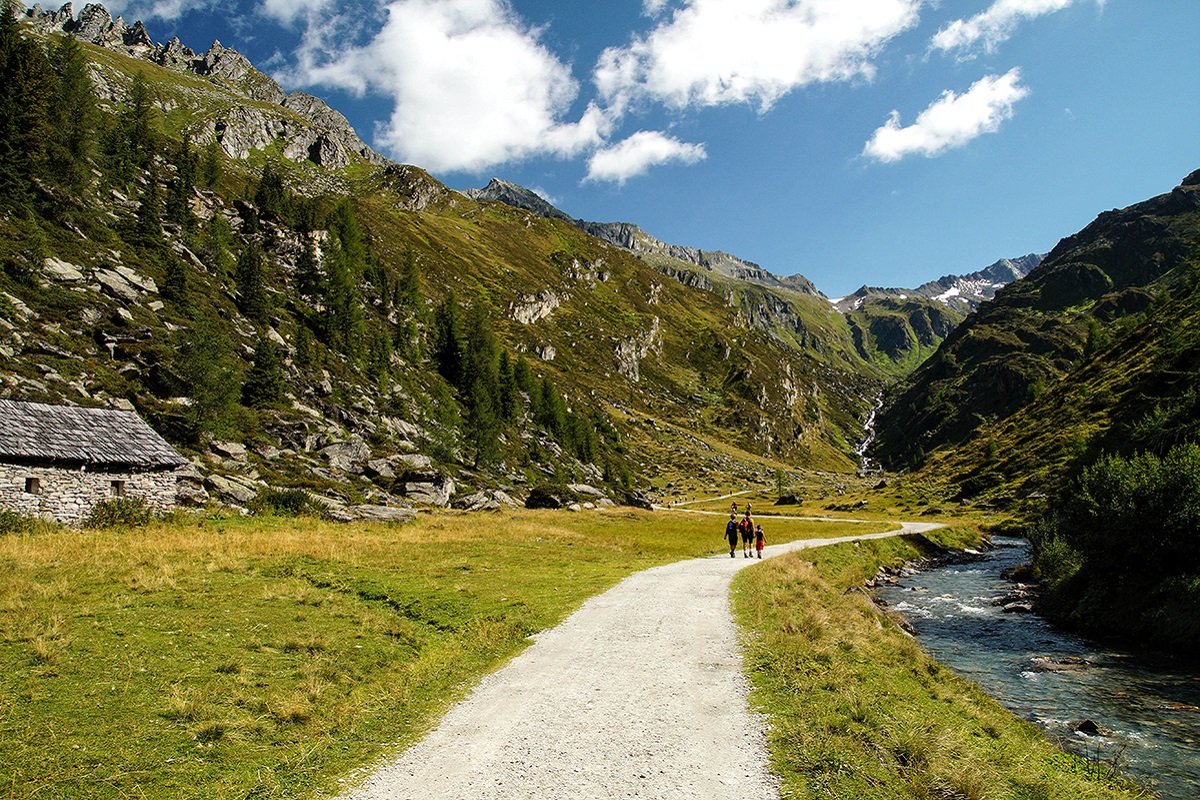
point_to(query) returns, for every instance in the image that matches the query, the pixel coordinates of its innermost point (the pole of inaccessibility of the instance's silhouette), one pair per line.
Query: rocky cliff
(309, 129)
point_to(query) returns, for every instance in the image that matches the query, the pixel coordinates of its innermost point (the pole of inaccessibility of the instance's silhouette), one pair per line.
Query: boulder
(575, 507)
(61, 271)
(349, 456)
(379, 468)
(371, 513)
(114, 284)
(231, 450)
(230, 490)
(542, 497)
(639, 499)
(429, 488)
(487, 500)
(585, 489)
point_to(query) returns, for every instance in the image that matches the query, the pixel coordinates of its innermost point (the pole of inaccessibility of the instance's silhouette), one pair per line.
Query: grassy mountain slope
(619, 341)
(1089, 289)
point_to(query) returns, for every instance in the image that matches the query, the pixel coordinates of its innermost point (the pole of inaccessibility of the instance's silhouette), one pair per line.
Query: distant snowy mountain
(963, 293)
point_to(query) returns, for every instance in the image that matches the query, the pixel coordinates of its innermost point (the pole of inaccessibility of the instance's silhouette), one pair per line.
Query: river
(1147, 709)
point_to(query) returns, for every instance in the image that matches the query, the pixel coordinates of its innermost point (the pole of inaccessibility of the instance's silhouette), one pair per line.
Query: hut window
(33, 485)
(118, 488)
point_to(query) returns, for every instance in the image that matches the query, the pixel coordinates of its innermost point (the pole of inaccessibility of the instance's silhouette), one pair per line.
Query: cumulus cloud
(638, 153)
(156, 9)
(715, 52)
(993, 26)
(288, 11)
(472, 86)
(951, 121)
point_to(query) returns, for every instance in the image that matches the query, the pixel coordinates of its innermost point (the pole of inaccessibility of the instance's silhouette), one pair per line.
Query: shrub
(283, 502)
(120, 512)
(13, 523)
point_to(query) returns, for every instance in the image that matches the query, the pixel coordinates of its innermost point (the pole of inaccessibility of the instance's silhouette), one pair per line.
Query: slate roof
(74, 437)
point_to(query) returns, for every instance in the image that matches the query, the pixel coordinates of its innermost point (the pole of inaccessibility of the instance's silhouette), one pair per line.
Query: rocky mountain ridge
(309, 128)
(964, 293)
(1089, 290)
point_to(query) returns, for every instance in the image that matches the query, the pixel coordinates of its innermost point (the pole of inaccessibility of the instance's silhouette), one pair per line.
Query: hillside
(292, 310)
(1093, 287)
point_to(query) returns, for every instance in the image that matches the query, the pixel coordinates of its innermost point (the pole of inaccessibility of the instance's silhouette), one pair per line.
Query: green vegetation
(268, 656)
(858, 710)
(1120, 552)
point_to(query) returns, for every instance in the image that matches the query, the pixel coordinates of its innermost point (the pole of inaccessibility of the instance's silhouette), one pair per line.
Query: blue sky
(885, 142)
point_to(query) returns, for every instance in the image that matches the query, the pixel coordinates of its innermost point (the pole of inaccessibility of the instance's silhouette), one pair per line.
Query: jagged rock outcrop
(311, 131)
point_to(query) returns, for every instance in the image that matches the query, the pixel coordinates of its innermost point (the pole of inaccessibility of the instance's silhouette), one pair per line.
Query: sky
(878, 142)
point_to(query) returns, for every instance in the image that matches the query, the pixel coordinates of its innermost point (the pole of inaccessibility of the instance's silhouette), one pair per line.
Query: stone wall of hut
(68, 496)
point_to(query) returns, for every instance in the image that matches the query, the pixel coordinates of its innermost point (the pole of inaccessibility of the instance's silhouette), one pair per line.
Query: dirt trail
(638, 694)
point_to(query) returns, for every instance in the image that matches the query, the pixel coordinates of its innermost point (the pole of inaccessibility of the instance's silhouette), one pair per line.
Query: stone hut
(59, 462)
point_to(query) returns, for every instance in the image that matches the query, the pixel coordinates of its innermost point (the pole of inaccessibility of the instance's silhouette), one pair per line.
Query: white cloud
(951, 121)
(638, 153)
(472, 86)
(995, 25)
(713, 52)
(288, 11)
(156, 9)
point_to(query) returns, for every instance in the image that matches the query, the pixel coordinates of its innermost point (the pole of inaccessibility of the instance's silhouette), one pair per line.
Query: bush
(120, 512)
(283, 502)
(13, 523)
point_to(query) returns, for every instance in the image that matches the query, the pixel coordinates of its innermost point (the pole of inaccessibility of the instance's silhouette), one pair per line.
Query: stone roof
(81, 437)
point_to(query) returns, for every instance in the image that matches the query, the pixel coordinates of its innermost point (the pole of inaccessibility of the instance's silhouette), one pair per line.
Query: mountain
(293, 311)
(963, 293)
(715, 264)
(1090, 290)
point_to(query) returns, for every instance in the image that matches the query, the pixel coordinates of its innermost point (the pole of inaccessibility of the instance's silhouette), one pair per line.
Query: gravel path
(638, 694)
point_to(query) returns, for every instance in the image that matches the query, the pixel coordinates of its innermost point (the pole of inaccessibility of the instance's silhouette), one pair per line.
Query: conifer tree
(177, 283)
(309, 281)
(179, 195)
(508, 406)
(448, 341)
(26, 86)
(73, 117)
(344, 319)
(148, 223)
(211, 376)
(251, 284)
(134, 140)
(265, 386)
(271, 197)
(211, 170)
(215, 241)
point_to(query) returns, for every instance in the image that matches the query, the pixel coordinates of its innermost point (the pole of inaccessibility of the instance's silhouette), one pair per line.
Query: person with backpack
(731, 533)
(746, 526)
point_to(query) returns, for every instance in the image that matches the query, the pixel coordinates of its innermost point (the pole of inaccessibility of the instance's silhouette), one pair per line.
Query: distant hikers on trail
(760, 540)
(746, 528)
(731, 532)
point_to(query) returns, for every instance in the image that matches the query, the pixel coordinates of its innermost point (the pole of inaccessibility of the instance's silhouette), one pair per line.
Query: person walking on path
(731, 533)
(747, 528)
(760, 541)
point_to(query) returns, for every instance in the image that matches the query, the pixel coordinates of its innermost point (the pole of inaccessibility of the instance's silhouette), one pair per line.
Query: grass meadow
(269, 657)
(858, 710)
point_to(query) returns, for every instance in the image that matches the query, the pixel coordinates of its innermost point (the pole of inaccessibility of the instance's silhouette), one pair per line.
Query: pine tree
(211, 376)
(251, 284)
(309, 281)
(148, 224)
(27, 84)
(211, 170)
(265, 386)
(509, 399)
(448, 341)
(344, 319)
(271, 197)
(73, 117)
(183, 187)
(134, 140)
(215, 241)
(177, 283)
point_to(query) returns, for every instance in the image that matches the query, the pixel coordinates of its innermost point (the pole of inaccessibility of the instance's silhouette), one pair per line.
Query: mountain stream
(1142, 712)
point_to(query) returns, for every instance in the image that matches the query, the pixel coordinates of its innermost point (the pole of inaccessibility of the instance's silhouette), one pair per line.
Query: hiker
(731, 533)
(747, 528)
(760, 541)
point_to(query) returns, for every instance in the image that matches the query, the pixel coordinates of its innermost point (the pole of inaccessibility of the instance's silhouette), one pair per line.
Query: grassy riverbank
(858, 710)
(266, 657)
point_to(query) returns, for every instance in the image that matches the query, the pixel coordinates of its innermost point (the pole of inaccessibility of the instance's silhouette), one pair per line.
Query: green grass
(857, 709)
(266, 657)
